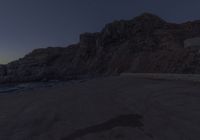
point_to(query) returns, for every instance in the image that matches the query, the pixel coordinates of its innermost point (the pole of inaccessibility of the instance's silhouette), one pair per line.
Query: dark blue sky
(29, 24)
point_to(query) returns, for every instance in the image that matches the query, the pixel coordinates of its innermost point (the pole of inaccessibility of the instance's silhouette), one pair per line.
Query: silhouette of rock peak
(148, 16)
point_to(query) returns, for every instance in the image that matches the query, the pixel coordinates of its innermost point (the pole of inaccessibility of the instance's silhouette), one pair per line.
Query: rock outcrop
(146, 44)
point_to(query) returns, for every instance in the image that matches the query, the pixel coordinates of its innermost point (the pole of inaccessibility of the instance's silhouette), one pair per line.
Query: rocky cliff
(146, 43)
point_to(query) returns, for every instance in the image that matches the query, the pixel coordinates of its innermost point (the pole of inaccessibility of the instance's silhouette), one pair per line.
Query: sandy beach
(122, 107)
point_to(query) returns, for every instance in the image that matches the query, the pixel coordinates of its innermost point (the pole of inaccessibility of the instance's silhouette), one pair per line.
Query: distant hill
(145, 44)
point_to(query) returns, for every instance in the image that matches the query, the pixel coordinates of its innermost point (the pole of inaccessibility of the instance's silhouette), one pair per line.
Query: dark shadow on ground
(130, 120)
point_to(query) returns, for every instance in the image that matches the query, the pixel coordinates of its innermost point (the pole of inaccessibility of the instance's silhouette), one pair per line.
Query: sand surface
(125, 107)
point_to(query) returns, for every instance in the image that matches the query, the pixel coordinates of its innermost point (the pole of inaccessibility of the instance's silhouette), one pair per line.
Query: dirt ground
(124, 107)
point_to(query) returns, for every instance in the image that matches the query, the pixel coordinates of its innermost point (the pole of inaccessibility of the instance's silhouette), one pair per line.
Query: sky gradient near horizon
(29, 24)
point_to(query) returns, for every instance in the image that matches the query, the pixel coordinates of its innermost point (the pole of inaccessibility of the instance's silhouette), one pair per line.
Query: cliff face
(144, 44)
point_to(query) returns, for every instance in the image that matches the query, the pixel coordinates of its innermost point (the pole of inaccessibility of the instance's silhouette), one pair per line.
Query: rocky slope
(146, 44)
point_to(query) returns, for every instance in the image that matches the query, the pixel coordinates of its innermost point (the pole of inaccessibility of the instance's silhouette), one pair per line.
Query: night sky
(29, 24)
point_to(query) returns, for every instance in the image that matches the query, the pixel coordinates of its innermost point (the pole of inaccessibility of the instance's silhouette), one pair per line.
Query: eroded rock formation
(146, 43)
